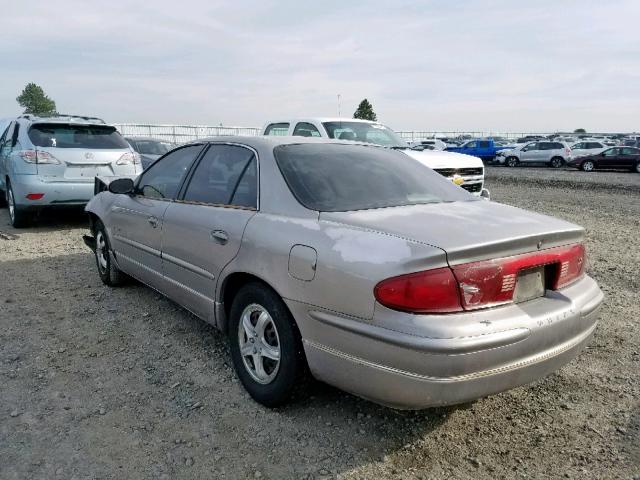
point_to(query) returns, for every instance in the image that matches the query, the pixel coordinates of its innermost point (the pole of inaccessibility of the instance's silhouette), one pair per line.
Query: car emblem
(457, 179)
(88, 155)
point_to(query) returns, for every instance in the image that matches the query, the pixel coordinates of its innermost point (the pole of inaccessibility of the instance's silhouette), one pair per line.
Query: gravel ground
(121, 383)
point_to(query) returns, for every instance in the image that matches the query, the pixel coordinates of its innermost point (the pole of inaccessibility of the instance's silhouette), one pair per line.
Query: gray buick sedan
(351, 263)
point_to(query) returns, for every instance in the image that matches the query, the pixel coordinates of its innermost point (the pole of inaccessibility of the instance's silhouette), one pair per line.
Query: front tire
(110, 275)
(511, 162)
(18, 217)
(556, 162)
(637, 169)
(266, 347)
(587, 166)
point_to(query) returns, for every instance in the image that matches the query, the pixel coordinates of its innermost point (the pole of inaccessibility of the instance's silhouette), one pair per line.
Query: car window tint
(226, 175)
(343, 177)
(162, 179)
(14, 135)
(277, 129)
(60, 135)
(304, 129)
(483, 144)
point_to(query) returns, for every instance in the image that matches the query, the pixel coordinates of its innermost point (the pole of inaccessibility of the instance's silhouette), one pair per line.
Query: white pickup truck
(463, 170)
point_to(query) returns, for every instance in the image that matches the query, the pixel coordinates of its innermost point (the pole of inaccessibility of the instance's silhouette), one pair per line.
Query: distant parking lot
(97, 382)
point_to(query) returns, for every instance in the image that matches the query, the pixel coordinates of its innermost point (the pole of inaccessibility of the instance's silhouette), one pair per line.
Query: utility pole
(338, 105)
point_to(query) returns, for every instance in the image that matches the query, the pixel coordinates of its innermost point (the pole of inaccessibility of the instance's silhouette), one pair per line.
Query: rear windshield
(60, 135)
(336, 178)
(151, 147)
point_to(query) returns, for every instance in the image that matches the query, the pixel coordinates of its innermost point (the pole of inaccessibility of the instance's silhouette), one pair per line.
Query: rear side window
(483, 144)
(277, 129)
(226, 175)
(162, 179)
(61, 135)
(630, 151)
(304, 129)
(334, 177)
(557, 146)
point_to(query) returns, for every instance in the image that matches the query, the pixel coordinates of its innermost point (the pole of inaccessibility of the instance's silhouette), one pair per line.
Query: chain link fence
(184, 133)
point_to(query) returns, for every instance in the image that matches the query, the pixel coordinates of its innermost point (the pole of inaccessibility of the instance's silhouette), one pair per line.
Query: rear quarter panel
(350, 261)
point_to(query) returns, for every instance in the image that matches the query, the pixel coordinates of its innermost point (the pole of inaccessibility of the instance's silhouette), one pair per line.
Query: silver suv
(554, 154)
(52, 161)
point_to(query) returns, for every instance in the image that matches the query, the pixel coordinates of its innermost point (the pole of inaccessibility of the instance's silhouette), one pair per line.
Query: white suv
(463, 170)
(52, 162)
(554, 154)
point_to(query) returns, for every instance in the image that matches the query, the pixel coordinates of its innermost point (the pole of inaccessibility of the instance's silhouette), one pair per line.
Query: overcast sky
(424, 65)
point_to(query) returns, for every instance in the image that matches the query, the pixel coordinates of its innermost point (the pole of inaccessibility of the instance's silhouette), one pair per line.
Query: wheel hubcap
(588, 166)
(259, 344)
(101, 252)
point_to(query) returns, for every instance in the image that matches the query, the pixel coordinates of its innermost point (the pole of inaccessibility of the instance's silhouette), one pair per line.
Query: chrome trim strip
(188, 266)
(445, 346)
(190, 290)
(137, 245)
(541, 357)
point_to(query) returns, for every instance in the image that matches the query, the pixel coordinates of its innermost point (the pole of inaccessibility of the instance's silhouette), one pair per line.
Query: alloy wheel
(101, 252)
(587, 166)
(12, 205)
(259, 344)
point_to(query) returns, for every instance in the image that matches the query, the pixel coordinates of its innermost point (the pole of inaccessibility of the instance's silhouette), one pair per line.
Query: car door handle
(219, 236)
(153, 221)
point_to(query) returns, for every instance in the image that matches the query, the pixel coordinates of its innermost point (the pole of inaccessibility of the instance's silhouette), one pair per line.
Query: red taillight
(475, 285)
(432, 291)
(35, 196)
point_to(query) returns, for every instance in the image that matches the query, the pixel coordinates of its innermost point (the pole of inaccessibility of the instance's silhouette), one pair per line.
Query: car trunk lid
(467, 231)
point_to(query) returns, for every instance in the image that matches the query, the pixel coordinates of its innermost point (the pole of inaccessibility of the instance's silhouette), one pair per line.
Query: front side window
(612, 152)
(578, 146)
(226, 175)
(341, 177)
(470, 145)
(531, 146)
(162, 180)
(64, 135)
(304, 129)
(277, 129)
(364, 132)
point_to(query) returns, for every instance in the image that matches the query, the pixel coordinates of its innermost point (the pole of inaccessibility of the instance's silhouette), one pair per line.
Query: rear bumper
(63, 193)
(425, 361)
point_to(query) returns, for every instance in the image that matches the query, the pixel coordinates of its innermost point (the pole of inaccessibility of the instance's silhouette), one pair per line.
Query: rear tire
(587, 166)
(18, 217)
(511, 162)
(637, 169)
(110, 275)
(556, 162)
(260, 325)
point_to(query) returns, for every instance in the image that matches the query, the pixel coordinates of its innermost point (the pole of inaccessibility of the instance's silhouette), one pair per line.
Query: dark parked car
(150, 149)
(615, 157)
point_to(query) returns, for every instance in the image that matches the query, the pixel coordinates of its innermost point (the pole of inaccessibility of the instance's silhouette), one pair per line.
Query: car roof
(271, 141)
(147, 139)
(320, 119)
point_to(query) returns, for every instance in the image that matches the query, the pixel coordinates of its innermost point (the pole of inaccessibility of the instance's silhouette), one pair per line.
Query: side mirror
(121, 186)
(485, 194)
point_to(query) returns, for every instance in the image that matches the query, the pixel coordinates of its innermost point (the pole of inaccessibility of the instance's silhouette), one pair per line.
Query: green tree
(34, 101)
(365, 111)
(579, 130)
